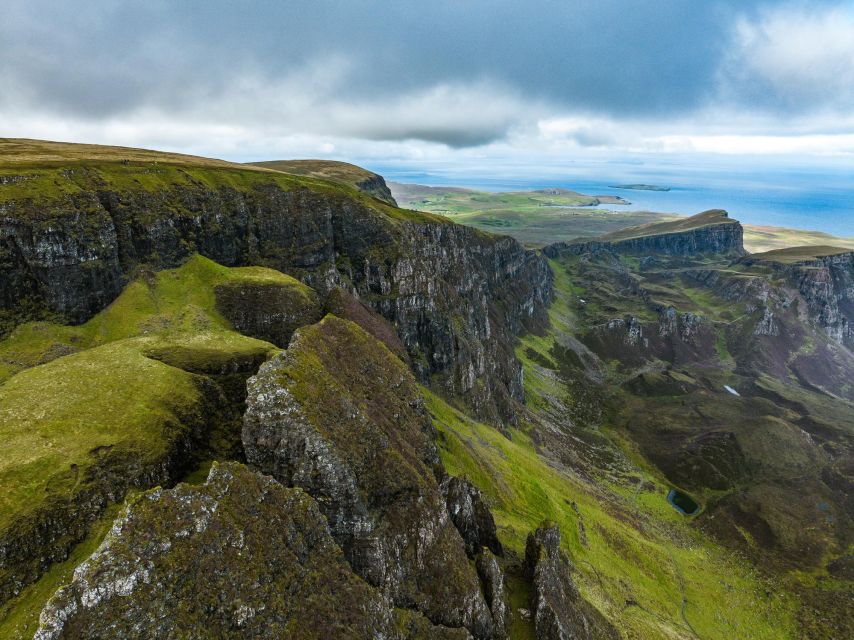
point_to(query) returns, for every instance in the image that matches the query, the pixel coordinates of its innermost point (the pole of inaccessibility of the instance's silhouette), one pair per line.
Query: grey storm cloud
(307, 64)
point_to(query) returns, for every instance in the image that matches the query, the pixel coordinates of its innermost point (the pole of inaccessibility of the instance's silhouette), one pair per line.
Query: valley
(611, 425)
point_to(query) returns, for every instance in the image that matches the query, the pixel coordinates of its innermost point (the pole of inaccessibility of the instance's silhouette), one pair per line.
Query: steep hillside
(73, 232)
(371, 183)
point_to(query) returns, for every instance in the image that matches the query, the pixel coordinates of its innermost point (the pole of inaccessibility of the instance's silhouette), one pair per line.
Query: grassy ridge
(39, 171)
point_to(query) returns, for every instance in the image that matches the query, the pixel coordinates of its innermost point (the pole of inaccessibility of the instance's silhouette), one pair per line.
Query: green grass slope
(642, 564)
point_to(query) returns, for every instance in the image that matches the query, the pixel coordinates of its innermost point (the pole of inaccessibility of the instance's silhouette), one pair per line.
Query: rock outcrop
(470, 515)
(456, 296)
(711, 232)
(559, 612)
(494, 588)
(239, 557)
(269, 310)
(342, 418)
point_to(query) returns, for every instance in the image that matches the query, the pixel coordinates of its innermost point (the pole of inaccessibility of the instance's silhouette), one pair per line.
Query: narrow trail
(676, 570)
(684, 603)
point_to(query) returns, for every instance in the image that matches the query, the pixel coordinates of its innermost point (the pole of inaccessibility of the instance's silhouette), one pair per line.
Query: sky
(463, 81)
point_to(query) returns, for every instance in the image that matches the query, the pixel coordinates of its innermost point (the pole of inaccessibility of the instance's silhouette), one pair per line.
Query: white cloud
(800, 56)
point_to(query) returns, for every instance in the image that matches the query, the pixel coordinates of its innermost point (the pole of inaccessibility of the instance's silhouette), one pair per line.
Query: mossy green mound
(79, 430)
(134, 397)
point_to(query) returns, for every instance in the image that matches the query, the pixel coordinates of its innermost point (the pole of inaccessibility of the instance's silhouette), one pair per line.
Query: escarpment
(456, 296)
(824, 277)
(711, 232)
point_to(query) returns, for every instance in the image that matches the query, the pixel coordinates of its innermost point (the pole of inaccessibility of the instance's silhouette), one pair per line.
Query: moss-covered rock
(338, 415)
(239, 557)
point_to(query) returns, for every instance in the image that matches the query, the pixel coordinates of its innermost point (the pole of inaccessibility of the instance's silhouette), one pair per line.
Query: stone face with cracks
(470, 515)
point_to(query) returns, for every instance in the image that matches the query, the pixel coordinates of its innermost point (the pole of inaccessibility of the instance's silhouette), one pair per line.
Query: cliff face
(456, 296)
(712, 232)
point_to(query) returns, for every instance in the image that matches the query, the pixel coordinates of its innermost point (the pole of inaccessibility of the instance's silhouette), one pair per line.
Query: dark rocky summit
(239, 557)
(339, 416)
(559, 611)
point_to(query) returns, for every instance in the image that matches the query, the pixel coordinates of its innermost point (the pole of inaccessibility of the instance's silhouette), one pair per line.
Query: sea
(819, 198)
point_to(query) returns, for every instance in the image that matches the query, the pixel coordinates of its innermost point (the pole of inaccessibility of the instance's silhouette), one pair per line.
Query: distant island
(640, 187)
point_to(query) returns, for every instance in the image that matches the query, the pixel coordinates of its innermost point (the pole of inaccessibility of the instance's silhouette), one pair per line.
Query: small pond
(682, 502)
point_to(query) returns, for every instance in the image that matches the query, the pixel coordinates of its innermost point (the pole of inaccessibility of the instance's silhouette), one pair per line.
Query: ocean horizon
(809, 199)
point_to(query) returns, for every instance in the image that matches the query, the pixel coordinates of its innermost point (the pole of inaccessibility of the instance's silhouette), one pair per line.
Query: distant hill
(640, 187)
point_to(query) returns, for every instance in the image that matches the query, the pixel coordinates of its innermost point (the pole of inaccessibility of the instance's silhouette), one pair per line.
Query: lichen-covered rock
(559, 611)
(470, 515)
(339, 416)
(239, 557)
(492, 579)
(267, 309)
